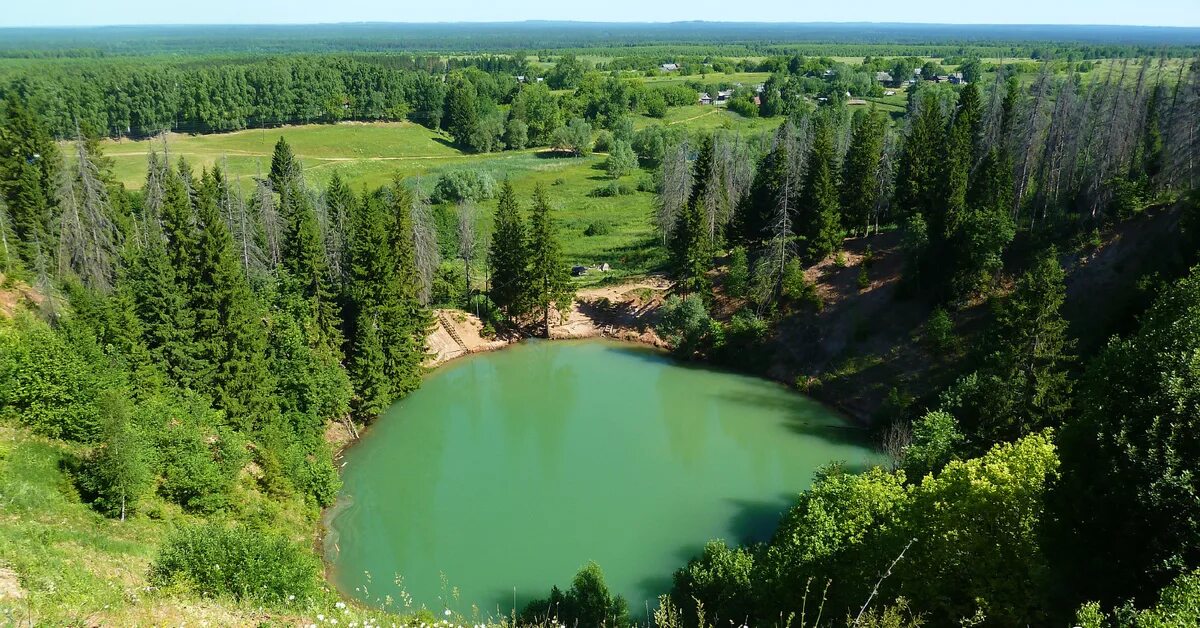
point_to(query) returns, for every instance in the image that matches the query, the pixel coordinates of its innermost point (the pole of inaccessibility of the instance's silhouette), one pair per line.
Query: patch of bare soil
(10, 585)
(625, 312)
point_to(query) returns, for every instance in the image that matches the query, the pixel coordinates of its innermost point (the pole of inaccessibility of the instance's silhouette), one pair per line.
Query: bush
(604, 142)
(598, 228)
(939, 330)
(198, 463)
(587, 603)
(621, 161)
(744, 106)
(246, 565)
(463, 185)
(50, 383)
(611, 190)
(687, 327)
(516, 134)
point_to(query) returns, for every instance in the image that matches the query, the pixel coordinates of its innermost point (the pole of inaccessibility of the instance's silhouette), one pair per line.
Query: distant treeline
(756, 38)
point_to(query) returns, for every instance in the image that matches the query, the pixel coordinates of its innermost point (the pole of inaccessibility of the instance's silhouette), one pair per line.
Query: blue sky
(97, 12)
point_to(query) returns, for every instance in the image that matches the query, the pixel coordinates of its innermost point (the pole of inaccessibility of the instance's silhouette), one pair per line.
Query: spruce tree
(284, 167)
(757, 209)
(462, 113)
(550, 280)
(230, 335)
(509, 256)
(304, 257)
(860, 172)
(404, 323)
(918, 188)
(371, 390)
(179, 226)
(29, 168)
(819, 214)
(689, 256)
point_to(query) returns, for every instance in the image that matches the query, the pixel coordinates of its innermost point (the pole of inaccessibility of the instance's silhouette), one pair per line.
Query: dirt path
(706, 113)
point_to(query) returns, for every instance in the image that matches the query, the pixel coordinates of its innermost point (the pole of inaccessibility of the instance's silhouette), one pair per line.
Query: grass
(370, 155)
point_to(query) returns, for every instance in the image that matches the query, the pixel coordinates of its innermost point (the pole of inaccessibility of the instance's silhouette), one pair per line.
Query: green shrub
(939, 331)
(49, 383)
(198, 462)
(587, 603)
(463, 185)
(598, 228)
(687, 327)
(213, 560)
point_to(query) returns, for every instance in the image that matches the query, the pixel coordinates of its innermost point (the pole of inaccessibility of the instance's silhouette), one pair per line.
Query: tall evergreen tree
(403, 323)
(284, 167)
(306, 263)
(462, 112)
(230, 334)
(509, 256)
(918, 190)
(757, 208)
(819, 215)
(550, 280)
(29, 166)
(860, 188)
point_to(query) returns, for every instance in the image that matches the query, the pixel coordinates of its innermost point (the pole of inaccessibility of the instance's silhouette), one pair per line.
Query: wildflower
(340, 605)
(447, 612)
(320, 617)
(291, 597)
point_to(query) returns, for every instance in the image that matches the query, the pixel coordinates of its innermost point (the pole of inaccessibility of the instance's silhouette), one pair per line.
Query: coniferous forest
(183, 356)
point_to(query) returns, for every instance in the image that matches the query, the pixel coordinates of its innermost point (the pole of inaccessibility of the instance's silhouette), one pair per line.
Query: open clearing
(368, 155)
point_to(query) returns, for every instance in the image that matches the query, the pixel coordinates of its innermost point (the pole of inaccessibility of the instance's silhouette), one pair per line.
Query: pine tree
(179, 226)
(284, 167)
(689, 256)
(230, 335)
(757, 209)
(860, 189)
(550, 280)
(339, 202)
(819, 214)
(304, 259)
(29, 165)
(918, 190)
(161, 305)
(403, 323)
(371, 390)
(462, 112)
(509, 256)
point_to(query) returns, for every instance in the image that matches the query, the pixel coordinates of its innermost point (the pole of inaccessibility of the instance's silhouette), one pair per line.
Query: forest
(174, 354)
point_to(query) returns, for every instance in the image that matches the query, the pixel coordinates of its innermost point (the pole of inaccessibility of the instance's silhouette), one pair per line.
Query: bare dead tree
(1055, 157)
(237, 219)
(88, 238)
(1183, 141)
(885, 179)
(335, 235)
(467, 245)
(879, 583)
(268, 224)
(1032, 127)
(425, 244)
(674, 188)
(5, 225)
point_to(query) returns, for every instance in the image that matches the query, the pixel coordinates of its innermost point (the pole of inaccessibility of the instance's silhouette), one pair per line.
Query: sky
(102, 12)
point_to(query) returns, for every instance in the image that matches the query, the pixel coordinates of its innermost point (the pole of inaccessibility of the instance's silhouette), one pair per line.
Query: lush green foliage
(214, 560)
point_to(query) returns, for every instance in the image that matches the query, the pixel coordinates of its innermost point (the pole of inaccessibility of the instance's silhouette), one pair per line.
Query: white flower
(447, 612)
(320, 617)
(340, 605)
(291, 597)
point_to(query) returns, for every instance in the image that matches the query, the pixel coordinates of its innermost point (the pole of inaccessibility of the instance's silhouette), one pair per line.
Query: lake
(508, 471)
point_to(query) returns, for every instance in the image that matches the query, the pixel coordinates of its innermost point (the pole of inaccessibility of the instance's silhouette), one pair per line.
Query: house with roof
(883, 77)
(724, 94)
(705, 99)
(956, 78)
(669, 67)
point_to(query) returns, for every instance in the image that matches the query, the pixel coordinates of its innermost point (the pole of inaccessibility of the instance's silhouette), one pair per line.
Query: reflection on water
(508, 471)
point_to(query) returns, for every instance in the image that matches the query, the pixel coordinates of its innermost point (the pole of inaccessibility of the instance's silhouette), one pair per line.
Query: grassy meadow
(370, 155)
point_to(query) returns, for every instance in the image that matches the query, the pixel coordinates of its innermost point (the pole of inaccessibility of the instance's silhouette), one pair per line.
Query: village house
(883, 77)
(724, 94)
(669, 67)
(705, 99)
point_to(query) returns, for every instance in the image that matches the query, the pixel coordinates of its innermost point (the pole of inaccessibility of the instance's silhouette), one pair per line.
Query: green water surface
(508, 471)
